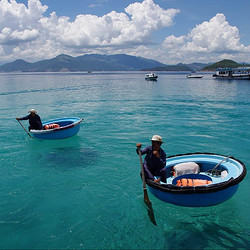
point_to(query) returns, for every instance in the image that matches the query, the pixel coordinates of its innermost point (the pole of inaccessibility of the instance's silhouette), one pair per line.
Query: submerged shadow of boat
(67, 127)
(223, 175)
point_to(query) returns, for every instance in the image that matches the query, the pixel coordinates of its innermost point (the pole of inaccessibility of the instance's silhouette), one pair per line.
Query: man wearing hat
(155, 159)
(34, 120)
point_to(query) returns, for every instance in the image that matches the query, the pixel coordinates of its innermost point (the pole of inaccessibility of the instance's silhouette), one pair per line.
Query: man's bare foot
(157, 180)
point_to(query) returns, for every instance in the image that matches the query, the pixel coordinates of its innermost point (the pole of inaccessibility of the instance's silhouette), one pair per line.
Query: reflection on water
(70, 157)
(206, 235)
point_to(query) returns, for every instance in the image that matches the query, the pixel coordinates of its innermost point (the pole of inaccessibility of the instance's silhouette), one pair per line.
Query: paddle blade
(151, 214)
(149, 207)
(146, 198)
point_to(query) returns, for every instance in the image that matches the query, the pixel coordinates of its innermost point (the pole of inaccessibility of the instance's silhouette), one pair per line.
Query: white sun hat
(157, 138)
(33, 111)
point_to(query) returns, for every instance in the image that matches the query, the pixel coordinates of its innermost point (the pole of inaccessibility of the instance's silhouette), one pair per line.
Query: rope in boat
(214, 171)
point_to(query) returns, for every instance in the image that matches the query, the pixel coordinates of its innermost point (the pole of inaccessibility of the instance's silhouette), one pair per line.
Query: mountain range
(95, 62)
(92, 62)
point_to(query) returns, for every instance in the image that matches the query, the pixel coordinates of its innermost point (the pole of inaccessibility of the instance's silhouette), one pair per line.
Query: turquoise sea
(85, 192)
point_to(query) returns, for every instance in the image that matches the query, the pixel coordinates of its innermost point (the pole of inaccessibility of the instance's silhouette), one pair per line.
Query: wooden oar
(145, 193)
(146, 198)
(24, 129)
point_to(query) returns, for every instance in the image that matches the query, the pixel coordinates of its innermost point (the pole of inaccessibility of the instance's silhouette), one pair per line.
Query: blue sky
(170, 31)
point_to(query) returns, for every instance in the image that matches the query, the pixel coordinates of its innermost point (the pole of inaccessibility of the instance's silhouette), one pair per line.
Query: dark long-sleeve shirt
(154, 163)
(34, 121)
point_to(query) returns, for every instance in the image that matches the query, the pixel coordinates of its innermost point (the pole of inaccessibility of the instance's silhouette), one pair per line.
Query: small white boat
(151, 76)
(194, 75)
(240, 73)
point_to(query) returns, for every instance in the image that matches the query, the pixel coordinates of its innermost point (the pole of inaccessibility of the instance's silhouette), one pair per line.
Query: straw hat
(33, 111)
(157, 138)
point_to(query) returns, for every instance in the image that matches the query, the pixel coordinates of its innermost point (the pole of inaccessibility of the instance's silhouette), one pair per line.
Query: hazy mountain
(197, 66)
(180, 67)
(93, 62)
(96, 62)
(15, 66)
(122, 62)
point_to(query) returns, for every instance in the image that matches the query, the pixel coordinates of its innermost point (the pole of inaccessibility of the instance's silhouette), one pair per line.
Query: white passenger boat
(240, 73)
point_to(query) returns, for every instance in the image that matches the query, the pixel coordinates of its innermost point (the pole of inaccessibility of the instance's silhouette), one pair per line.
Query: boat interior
(61, 123)
(65, 123)
(217, 174)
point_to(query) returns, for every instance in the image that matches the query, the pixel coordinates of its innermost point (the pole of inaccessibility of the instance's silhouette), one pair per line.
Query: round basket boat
(65, 127)
(199, 179)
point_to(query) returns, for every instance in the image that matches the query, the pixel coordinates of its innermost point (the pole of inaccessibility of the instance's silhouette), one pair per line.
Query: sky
(169, 31)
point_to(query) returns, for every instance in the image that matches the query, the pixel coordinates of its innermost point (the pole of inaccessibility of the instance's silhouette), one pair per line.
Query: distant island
(96, 62)
(225, 64)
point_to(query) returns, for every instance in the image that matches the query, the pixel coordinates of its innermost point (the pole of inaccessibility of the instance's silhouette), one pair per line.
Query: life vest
(51, 126)
(184, 182)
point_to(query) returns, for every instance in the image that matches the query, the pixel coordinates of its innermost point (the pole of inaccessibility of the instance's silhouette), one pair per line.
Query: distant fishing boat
(151, 76)
(240, 73)
(199, 179)
(58, 129)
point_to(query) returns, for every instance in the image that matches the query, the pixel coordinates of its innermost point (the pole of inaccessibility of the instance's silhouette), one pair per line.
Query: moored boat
(199, 179)
(240, 73)
(194, 76)
(151, 76)
(58, 128)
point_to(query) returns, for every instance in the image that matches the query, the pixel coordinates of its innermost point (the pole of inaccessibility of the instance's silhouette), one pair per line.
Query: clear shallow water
(86, 192)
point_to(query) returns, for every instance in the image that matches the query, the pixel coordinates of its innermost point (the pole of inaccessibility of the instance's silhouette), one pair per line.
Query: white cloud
(25, 28)
(112, 29)
(149, 16)
(28, 32)
(19, 27)
(214, 36)
(212, 40)
(16, 16)
(8, 37)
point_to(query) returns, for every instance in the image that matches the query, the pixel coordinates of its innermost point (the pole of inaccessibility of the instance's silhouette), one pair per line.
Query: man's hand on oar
(18, 119)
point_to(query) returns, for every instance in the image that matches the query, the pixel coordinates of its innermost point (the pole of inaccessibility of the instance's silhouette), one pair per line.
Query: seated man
(34, 120)
(155, 159)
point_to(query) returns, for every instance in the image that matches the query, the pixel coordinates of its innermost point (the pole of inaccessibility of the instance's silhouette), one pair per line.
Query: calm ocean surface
(85, 192)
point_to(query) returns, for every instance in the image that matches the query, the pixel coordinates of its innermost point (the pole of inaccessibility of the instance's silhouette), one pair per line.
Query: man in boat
(34, 120)
(155, 159)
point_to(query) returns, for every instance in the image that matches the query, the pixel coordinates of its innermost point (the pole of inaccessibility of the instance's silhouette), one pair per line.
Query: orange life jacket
(51, 126)
(184, 182)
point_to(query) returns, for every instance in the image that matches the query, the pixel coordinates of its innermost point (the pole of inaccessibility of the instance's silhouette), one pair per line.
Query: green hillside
(223, 64)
